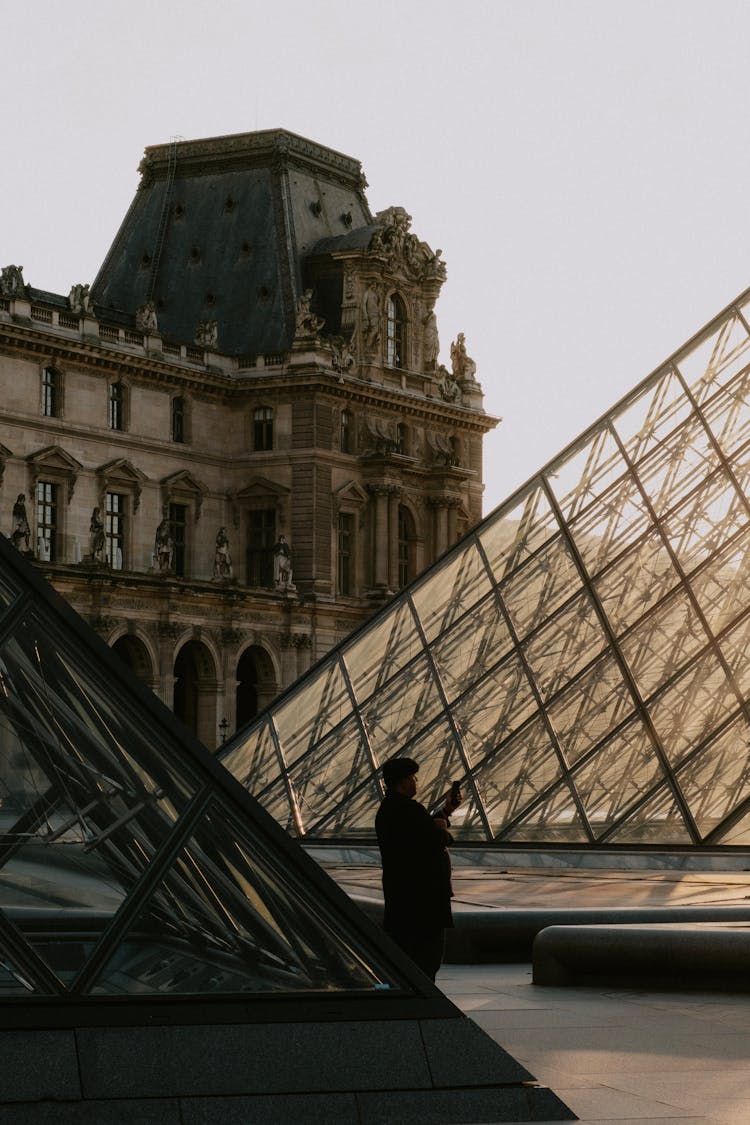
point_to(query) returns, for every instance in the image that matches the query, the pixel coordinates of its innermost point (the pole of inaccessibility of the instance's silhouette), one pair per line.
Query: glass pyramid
(131, 863)
(580, 661)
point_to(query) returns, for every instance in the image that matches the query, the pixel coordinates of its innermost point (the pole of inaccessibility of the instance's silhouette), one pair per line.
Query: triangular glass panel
(616, 776)
(594, 704)
(614, 522)
(391, 642)
(658, 820)
(460, 584)
(722, 587)
(591, 471)
(716, 358)
(692, 706)
(301, 724)
(508, 539)
(255, 761)
(654, 412)
(472, 646)
(636, 581)
(716, 780)
(727, 417)
(516, 775)
(556, 819)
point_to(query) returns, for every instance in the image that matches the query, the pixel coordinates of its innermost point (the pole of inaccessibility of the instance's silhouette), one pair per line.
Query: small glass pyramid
(579, 661)
(131, 863)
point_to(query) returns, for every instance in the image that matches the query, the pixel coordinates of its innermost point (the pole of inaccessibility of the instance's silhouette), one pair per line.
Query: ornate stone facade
(325, 423)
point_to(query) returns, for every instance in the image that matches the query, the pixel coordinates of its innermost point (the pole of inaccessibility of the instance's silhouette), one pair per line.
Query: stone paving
(612, 1055)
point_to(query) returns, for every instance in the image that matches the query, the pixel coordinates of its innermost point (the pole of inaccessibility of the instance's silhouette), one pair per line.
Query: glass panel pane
(678, 465)
(636, 582)
(510, 780)
(382, 650)
(616, 776)
(440, 763)
(471, 648)
(707, 519)
(567, 643)
(606, 529)
(535, 591)
(496, 707)
(728, 416)
(723, 587)
(652, 416)
(590, 708)
(335, 767)
(663, 644)
(658, 821)
(253, 760)
(698, 702)
(587, 474)
(717, 779)
(459, 583)
(355, 817)
(13, 980)
(401, 709)
(227, 919)
(718, 357)
(309, 715)
(735, 648)
(519, 533)
(556, 820)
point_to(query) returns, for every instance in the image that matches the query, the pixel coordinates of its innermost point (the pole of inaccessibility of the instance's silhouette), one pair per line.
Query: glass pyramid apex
(578, 661)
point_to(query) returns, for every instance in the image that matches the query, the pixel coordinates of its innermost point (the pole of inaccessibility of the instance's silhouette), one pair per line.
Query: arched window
(406, 546)
(396, 343)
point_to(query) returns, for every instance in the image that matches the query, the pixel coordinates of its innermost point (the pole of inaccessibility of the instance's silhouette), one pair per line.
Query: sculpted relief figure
(21, 532)
(430, 341)
(164, 546)
(282, 565)
(11, 281)
(207, 334)
(222, 558)
(96, 538)
(369, 319)
(145, 318)
(464, 367)
(81, 299)
(307, 323)
(449, 388)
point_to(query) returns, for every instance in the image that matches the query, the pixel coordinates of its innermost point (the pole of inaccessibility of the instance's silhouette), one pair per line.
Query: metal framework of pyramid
(581, 660)
(131, 864)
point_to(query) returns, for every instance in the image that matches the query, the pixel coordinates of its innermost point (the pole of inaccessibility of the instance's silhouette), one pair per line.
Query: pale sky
(583, 164)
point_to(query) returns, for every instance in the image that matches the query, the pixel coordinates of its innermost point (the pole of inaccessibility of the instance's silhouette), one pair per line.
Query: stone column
(394, 498)
(380, 546)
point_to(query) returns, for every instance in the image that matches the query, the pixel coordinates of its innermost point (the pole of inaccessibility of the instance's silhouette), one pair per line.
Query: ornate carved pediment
(260, 492)
(122, 475)
(53, 461)
(183, 486)
(402, 250)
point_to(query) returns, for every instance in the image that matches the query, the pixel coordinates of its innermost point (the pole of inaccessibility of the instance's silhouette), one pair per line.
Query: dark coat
(416, 866)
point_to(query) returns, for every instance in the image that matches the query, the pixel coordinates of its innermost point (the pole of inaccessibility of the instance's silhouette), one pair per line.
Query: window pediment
(182, 487)
(121, 476)
(259, 493)
(55, 462)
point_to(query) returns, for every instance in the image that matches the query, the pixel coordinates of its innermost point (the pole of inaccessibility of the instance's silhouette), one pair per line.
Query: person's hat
(396, 769)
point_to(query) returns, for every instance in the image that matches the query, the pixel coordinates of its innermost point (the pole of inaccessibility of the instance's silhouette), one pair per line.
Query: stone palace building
(236, 443)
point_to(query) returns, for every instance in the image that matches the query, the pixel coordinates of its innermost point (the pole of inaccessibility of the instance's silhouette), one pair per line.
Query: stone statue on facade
(282, 565)
(81, 300)
(222, 558)
(430, 341)
(306, 323)
(207, 334)
(145, 318)
(464, 367)
(97, 542)
(164, 546)
(11, 281)
(21, 532)
(369, 319)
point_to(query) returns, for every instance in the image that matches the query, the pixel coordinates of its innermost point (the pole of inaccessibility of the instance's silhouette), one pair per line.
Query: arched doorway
(195, 689)
(256, 684)
(133, 652)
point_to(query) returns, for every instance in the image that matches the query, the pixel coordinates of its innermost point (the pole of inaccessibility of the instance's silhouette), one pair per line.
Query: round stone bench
(705, 957)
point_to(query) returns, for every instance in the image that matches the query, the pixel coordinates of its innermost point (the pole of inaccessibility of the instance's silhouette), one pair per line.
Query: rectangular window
(178, 418)
(50, 392)
(114, 530)
(346, 431)
(178, 521)
(263, 429)
(47, 520)
(345, 553)
(116, 406)
(260, 539)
